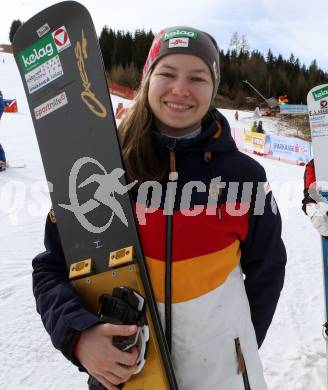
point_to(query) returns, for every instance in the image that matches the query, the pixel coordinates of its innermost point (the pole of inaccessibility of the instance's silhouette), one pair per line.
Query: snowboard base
(60, 63)
(91, 287)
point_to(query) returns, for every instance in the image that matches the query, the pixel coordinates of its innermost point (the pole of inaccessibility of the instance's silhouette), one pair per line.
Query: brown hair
(137, 140)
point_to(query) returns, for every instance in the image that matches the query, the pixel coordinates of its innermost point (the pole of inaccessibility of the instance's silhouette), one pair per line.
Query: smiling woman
(216, 273)
(180, 81)
(173, 132)
(180, 93)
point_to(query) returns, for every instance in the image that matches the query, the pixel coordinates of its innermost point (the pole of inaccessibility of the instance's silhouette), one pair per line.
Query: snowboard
(317, 101)
(61, 67)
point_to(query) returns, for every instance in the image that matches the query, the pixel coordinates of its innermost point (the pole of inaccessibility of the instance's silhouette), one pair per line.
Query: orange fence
(124, 92)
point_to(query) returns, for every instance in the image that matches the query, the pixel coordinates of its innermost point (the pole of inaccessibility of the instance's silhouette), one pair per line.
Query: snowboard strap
(125, 307)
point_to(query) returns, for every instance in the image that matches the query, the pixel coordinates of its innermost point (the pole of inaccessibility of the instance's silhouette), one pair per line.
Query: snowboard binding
(125, 307)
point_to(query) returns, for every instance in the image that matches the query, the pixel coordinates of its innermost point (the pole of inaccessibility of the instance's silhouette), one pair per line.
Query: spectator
(259, 128)
(1, 104)
(2, 159)
(254, 127)
(236, 116)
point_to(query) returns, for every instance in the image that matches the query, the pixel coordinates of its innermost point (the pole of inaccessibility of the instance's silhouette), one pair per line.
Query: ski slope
(293, 353)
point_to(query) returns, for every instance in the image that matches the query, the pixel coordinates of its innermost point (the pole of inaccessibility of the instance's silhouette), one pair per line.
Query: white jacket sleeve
(318, 213)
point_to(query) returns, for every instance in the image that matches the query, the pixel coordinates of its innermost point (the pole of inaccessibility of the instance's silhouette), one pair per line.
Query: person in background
(236, 116)
(254, 127)
(2, 152)
(312, 204)
(1, 104)
(259, 128)
(3, 164)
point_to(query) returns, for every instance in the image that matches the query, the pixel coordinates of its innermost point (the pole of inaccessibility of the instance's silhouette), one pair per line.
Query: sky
(284, 26)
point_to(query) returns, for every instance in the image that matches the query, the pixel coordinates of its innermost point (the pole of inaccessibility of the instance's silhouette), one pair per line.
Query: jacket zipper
(168, 281)
(241, 364)
(168, 262)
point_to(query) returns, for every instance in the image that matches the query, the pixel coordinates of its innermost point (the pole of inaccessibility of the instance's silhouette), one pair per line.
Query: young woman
(225, 247)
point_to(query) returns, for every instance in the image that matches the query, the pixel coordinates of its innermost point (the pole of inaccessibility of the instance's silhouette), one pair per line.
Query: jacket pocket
(241, 369)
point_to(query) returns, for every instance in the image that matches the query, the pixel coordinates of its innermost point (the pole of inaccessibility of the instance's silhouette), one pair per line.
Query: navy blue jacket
(2, 154)
(263, 255)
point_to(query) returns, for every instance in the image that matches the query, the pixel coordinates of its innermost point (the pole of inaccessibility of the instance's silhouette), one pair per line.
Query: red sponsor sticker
(61, 38)
(178, 42)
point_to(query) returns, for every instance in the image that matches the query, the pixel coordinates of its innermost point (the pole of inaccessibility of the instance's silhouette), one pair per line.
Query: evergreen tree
(125, 54)
(13, 28)
(118, 52)
(142, 44)
(107, 44)
(127, 49)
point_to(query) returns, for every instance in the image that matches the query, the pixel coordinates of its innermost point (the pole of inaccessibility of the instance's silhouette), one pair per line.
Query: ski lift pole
(272, 103)
(247, 82)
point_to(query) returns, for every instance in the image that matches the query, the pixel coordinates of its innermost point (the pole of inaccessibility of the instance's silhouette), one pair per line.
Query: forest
(125, 53)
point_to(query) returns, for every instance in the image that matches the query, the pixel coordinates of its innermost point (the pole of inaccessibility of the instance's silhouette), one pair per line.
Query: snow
(293, 353)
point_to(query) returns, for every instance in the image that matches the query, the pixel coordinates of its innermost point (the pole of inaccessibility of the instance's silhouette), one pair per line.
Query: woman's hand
(101, 359)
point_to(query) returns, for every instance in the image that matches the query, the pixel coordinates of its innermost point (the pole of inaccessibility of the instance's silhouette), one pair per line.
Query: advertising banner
(289, 148)
(254, 142)
(278, 147)
(293, 109)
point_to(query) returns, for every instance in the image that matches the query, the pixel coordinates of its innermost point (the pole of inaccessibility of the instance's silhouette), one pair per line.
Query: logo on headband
(179, 33)
(178, 42)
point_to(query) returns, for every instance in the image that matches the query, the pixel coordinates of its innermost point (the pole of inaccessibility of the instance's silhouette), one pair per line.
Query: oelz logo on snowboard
(87, 96)
(109, 185)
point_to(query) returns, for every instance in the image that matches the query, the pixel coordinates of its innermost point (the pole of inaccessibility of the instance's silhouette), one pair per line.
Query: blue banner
(293, 109)
(288, 147)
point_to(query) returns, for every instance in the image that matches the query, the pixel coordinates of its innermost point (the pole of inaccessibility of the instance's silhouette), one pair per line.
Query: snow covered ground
(293, 353)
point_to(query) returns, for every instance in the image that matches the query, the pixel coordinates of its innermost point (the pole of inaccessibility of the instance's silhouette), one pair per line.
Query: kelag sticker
(39, 53)
(44, 74)
(40, 62)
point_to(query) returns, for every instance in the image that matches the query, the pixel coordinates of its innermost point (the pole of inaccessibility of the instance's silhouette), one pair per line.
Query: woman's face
(180, 93)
